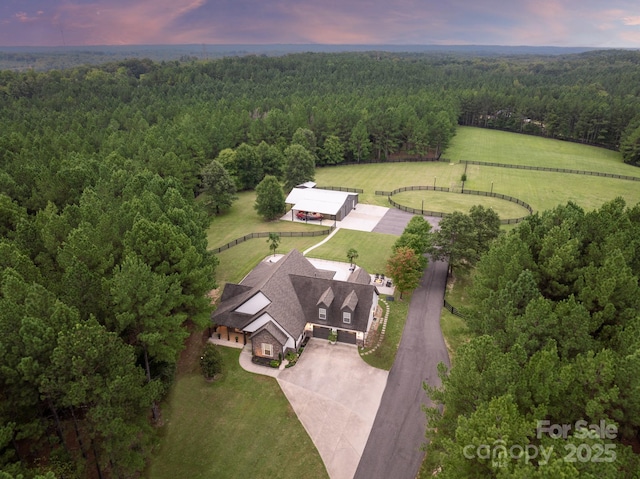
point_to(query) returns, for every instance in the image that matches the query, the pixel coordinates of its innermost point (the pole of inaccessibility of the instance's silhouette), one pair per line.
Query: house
(329, 203)
(281, 302)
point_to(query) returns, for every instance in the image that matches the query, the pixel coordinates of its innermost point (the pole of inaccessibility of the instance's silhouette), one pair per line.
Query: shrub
(274, 363)
(291, 356)
(210, 361)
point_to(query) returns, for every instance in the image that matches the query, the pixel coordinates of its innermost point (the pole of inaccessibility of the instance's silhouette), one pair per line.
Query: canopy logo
(500, 453)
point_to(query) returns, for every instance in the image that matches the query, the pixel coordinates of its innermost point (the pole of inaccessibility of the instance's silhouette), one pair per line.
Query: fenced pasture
(511, 148)
(540, 189)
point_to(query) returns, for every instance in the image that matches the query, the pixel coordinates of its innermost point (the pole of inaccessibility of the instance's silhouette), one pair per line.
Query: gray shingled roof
(351, 301)
(231, 290)
(309, 289)
(326, 298)
(272, 279)
(275, 331)
(360, 275)
(295, 288)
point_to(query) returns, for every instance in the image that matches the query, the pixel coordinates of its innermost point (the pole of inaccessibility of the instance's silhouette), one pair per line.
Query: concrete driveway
(336, 396)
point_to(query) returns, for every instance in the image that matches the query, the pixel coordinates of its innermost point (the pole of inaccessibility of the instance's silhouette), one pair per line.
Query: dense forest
(548, 385)
(104, 255)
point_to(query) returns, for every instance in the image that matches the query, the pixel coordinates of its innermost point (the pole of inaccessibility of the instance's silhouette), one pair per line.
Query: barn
(330, 204)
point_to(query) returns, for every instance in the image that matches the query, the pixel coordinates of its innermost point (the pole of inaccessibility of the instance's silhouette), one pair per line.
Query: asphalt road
(394, 448)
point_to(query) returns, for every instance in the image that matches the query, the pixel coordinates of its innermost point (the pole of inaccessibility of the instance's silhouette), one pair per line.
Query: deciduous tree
(250, 171)
(269, 198)
(359, 142)
(274, 242)
(456, 241)
(332, 151)
(299, 166)
(218, 187)
(405, 268)
(417, 236)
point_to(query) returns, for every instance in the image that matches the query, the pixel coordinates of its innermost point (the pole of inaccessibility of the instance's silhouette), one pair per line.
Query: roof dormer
(326, 298)
(350, 302)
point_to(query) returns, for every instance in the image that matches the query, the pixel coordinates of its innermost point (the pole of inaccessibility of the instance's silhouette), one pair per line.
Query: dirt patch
(214, 295)
(189, 361)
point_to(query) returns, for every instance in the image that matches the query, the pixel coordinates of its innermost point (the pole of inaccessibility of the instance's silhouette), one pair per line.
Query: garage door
(346, 337)
(321, 332)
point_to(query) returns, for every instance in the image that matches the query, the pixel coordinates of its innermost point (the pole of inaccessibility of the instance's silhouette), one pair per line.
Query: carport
(332, 204)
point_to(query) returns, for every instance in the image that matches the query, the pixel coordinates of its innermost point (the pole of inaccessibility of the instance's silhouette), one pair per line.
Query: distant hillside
(50, 58)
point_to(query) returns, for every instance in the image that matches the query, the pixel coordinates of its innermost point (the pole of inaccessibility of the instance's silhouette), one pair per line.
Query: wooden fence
(452, 309)
(282, 234)
(423, 212)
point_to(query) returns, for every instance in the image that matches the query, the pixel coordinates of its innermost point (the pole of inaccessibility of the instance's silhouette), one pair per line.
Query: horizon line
(300, 44)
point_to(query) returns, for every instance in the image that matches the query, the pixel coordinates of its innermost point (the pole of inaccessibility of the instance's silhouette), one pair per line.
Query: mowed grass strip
(238, 426)
(384, 355)
(454, 328)
(455, 332)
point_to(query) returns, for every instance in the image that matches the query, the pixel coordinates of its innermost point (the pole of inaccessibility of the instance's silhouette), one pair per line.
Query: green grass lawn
(242, 219)
(385, 354)
(238, 426)
(542, 190)
(373, 249)
(235, 263)
(545, 190)
(479, 144)
(388, 176)
(443, 202)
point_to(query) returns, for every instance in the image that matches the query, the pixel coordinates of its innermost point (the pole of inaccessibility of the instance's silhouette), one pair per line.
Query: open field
(235, 263)
(542, 190)
(388, 176)
(238, 426)
(477, 144)
(545, 190)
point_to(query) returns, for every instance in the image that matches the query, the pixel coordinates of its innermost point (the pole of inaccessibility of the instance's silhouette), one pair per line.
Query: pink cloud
(24, 17)
(119, 22)
(632, 21)
(507, 22)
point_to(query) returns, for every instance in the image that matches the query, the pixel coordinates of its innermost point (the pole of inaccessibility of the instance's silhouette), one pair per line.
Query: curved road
(394, 448)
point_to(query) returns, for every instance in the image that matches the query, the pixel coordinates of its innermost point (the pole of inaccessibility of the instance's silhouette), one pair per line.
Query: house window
(322, 313)
(267, 350)
(346, 317)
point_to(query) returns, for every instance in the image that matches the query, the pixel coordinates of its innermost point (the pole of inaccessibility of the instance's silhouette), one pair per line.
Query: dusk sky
(578, 23)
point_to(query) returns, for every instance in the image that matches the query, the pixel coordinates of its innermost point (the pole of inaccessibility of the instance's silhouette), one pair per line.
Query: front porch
(229, 336)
